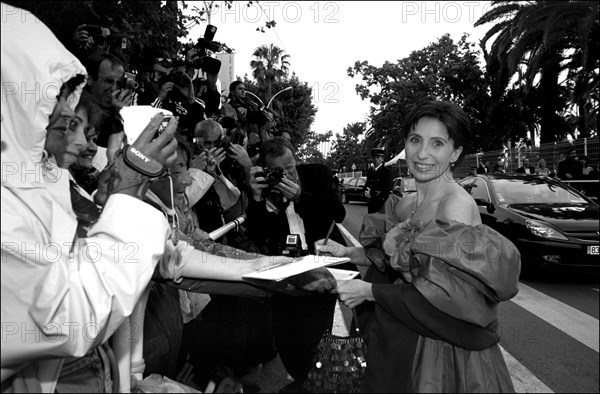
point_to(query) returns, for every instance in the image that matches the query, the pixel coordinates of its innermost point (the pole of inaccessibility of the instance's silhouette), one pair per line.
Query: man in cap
(379, 182)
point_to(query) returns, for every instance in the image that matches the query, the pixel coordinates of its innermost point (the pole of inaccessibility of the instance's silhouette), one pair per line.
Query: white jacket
(57, 300)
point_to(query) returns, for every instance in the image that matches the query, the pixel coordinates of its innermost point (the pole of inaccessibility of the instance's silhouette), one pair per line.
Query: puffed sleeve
(464, 270)
(374, 229)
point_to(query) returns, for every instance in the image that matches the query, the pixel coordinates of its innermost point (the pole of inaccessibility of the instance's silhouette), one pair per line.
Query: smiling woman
(435, 302)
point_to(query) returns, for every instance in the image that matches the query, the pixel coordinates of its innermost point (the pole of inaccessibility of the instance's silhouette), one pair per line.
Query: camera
(178, 78)
(198, 146)
(273, 176)
(223, 142)
(204, 61)
(292, 246)
(273, 197)
(130, 82)
(103, 35)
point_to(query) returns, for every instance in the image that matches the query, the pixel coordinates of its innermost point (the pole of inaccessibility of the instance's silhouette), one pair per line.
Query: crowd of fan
(570, 168)
(197, 317)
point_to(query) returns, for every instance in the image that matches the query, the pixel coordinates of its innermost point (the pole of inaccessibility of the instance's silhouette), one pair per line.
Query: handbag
(340, 364)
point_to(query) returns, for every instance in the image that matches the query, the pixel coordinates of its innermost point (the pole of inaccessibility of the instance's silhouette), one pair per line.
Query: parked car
(404, 185)
(354, 190)
(552, 224)
(344, 180)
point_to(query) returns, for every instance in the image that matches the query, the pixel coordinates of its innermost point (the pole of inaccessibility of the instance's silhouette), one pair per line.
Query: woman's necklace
(417, 205)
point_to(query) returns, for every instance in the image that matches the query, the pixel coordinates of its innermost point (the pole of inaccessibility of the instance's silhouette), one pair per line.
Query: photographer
(205, 83)
(295, 199)
(172, 89)
(211, 148)
(104, 83)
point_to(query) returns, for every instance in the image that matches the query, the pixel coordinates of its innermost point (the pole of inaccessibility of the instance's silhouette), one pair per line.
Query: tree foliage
(148, 25)
(295, 109)
(270, 64)
(347, 149)
(444, 70)
(309, 151)
(540, 42)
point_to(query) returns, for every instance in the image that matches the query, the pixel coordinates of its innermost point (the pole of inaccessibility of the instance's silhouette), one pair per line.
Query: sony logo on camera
(139, 154)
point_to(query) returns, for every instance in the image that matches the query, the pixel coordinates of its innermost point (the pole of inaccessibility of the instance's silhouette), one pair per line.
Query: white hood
(34, 67)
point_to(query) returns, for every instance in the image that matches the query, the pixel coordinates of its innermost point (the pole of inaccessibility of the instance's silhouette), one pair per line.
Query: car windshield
(534, 191)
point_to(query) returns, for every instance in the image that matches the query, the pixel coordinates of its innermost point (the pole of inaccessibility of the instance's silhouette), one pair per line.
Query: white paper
(339, 274)
(298, 266)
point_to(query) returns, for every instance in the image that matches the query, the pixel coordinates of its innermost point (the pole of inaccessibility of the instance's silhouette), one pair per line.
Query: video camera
(204, 61)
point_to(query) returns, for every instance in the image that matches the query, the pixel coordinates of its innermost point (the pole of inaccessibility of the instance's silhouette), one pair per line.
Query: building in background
(227, 72)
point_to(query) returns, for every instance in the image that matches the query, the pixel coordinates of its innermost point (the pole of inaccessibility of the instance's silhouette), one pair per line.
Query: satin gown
(435, 327)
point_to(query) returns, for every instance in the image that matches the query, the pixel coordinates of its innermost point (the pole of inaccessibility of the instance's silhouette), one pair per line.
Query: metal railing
(552, 153)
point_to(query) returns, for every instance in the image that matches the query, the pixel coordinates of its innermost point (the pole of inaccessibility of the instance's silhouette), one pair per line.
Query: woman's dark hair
(275, 147)
(94, 113)
(451, 115)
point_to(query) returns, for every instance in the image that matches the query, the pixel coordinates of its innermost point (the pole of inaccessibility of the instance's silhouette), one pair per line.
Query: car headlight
(543, 230)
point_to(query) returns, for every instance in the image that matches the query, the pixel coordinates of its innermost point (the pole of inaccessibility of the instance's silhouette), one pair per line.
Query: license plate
(592, 249)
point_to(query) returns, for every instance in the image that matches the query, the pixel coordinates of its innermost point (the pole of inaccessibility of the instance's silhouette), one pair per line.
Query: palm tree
(269, 65)
(544, 39)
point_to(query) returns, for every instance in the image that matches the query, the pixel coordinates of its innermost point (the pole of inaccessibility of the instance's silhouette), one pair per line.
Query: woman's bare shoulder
(459, 205)
(405, 206)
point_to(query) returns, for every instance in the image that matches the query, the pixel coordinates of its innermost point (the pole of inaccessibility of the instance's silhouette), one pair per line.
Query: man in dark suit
(379, 182)
(569, 168)
(526, 168)
(304, 202)
(484, 167)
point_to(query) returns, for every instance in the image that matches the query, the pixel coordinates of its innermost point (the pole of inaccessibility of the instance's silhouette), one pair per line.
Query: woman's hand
(332, 248)
(354, 292)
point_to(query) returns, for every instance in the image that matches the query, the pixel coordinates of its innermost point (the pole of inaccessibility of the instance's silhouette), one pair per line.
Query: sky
(325, 38)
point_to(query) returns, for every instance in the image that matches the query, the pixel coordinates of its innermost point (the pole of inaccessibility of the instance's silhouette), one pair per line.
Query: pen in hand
(328, 234)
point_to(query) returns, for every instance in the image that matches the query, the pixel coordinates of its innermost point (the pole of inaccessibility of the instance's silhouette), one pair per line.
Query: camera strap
(142, 163)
